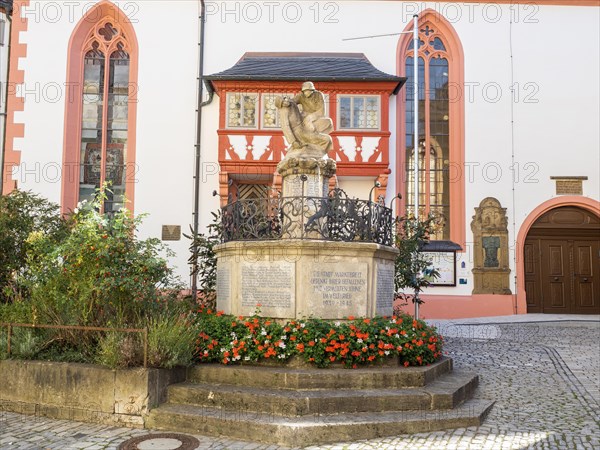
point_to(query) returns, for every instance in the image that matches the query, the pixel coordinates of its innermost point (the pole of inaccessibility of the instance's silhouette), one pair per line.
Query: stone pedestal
(305, 181)
(301, 278)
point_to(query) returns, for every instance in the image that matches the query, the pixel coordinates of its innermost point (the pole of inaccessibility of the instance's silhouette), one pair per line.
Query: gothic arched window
(441, 125)
(100, 119)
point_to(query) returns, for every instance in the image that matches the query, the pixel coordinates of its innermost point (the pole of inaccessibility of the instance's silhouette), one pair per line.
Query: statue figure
(307, 132)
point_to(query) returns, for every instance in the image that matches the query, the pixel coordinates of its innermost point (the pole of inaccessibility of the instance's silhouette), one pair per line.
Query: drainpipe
(198, 149)
(4, 112)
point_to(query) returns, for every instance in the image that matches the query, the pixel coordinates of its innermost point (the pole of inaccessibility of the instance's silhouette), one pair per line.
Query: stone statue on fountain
(306, 129)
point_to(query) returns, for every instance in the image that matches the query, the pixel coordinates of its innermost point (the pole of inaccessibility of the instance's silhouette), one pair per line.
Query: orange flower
(311, 343)
(406, 364)
(300, 347)
(332, 358)
(350, 317)
(371, 358)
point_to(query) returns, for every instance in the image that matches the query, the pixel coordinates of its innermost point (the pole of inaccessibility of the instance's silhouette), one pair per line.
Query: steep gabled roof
(304, 67)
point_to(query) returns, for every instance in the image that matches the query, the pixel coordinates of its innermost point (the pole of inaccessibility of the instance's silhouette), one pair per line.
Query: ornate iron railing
(333, 218)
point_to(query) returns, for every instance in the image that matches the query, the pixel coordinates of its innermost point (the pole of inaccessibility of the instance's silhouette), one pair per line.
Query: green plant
(413, 271)
(100, 274)
(119, 350)
(203, 259)
(171, 341)
(23, 213)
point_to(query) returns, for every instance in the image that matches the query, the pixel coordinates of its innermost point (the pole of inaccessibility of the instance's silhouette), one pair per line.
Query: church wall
(555, 108)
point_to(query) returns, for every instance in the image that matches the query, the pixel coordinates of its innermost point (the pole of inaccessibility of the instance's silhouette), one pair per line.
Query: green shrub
(171, 342)
(119, 350)
(99, 274)
(23, 213)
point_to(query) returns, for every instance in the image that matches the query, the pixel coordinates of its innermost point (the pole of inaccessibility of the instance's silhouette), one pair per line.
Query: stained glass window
(434, 130)
(105, 113)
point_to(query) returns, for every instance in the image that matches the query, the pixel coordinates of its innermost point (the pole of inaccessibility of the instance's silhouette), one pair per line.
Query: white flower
(76, 210)
(397, 336)
(359, 341)
(282, 345)
(338, 323)
(246, 358)
(387, 352)
(223, 350)
(263, 332)
(302, 325)
(284, 337)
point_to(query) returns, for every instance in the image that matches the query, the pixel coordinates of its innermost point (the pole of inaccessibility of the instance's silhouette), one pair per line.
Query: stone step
(446, 392)
(277, 377)
(312, 429)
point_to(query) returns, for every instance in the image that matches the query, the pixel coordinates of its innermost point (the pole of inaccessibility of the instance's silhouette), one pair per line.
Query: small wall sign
(171, 233)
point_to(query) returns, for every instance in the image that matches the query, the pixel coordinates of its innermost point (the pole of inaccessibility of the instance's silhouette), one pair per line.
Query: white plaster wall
(555, 115)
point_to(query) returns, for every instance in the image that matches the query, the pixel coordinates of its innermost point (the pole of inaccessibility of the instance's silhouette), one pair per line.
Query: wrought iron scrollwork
(333, 218)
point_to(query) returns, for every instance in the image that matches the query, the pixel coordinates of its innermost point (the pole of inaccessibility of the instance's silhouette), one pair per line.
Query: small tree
(203, 260)
(23, 213)
(413, 270)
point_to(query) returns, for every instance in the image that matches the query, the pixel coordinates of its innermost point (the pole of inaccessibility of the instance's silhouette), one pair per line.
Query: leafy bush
(99, 274)
(227, 339)
(23, 213)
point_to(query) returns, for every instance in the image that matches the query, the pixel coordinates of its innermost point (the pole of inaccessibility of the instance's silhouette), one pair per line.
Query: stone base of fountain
(296, 278)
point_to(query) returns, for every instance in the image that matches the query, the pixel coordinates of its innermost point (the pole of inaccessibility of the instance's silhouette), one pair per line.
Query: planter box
(84, 392)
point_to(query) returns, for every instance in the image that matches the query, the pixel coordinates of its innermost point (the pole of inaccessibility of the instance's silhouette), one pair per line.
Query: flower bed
(352, 342)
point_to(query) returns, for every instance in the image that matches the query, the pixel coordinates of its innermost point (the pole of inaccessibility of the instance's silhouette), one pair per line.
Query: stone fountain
(308, 251)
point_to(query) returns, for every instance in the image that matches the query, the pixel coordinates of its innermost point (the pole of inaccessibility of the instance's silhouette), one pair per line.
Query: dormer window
(358, 112)
(241, 110)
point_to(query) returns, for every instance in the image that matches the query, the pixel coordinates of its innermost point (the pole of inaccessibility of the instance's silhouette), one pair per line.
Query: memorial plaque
(384, 301)
(224, 287)
(337, 290)
(314, 186)
(569, 187)
(171, 233)
(270, 285)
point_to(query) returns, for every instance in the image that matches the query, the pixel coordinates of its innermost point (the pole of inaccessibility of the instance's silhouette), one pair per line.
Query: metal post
(416, 131)
(416, 112)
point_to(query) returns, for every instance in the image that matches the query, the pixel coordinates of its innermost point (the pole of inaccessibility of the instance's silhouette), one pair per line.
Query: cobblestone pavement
(544, 376)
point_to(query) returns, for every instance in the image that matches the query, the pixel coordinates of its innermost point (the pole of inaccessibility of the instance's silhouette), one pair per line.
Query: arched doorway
(562, 262)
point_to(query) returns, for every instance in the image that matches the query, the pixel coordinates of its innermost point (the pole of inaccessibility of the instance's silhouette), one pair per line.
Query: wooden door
(556, 276)
(586, 276)
(562, 263)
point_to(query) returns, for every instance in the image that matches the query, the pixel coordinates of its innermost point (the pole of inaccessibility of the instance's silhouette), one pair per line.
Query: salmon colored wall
(12, 156)
(464, 306)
